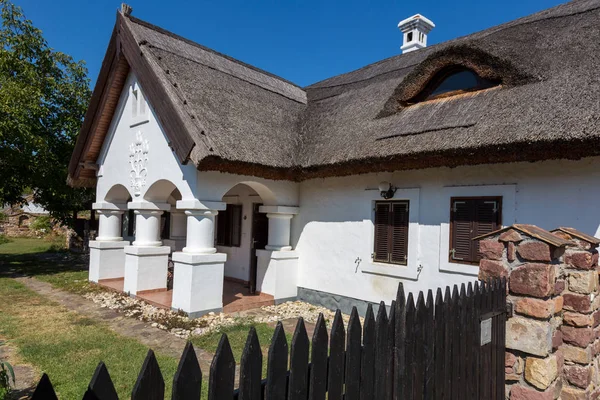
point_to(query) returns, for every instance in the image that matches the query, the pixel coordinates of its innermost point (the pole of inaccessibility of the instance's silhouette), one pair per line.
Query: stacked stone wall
(552, 338)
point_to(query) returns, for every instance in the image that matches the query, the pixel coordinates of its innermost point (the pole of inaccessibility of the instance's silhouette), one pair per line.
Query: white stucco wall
(238, 258)
(334, 228)
(114, 161)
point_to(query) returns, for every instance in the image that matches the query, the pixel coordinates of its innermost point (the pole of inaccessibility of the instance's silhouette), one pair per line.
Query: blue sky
(302, 41)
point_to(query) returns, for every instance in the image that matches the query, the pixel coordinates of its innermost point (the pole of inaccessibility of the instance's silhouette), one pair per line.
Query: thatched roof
(239, 119)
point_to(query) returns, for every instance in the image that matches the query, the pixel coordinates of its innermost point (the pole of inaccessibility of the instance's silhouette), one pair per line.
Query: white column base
(146, 268)
(198, 283)
(277, 274)
(107, 259)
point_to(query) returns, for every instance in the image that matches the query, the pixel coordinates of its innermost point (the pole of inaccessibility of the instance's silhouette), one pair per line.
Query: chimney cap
(415, 19)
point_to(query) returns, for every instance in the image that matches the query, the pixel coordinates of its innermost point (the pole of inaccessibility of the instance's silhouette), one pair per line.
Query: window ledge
(466, 269)
(138, 121)
(392, 270)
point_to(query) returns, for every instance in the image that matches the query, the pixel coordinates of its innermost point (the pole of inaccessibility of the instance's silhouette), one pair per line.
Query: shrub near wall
(552, 339)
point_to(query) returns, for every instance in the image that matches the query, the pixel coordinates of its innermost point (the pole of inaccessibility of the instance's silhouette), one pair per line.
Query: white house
(335, 192)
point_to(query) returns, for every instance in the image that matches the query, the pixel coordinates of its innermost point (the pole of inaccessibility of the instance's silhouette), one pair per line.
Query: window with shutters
(391, 232)
(471, 217)
(229, 226)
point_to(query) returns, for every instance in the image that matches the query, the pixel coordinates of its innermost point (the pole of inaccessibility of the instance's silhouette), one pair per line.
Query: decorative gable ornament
(138, 160)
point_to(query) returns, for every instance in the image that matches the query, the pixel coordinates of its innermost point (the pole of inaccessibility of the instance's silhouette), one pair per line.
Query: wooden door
(258, 241)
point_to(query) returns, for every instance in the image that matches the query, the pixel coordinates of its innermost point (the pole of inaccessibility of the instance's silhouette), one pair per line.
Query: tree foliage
(43, 97)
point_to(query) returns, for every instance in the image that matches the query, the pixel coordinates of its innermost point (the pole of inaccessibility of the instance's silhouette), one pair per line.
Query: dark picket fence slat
(317, 389)
(298, 388)
(222, 372)
(381, 350)
(428, 349)
(277, 365)
(101, 386)
(353, 357)
(251, 368)
(367, 371)
(150, 384)
(187, 383)
(335, 379)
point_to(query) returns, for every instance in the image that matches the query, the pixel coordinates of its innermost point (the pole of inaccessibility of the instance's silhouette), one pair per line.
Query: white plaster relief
(138, 160)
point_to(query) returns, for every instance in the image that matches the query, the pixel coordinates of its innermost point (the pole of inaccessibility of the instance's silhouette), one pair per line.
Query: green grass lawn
(69, 346)
(47, 260)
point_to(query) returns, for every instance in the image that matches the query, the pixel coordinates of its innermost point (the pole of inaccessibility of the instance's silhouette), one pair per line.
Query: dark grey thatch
(249, 121)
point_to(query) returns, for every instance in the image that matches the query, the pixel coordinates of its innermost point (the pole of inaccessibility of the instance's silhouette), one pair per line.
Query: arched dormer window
(452, 81)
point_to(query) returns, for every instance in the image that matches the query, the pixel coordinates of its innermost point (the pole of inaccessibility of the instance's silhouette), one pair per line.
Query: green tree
(43, 97)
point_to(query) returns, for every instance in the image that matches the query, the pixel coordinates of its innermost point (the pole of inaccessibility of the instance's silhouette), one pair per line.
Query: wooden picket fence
(431, 348)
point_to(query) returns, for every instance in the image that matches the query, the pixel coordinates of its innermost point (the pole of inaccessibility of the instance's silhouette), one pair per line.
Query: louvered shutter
(487, 219)
(382, 237)
(399, 233)
(461, 221)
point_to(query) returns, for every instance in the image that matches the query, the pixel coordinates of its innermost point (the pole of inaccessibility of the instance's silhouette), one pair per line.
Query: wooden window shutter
(469, 218)
(382, 237)
(236, 225)
(461, 218)
(399, 233)
(487, 219)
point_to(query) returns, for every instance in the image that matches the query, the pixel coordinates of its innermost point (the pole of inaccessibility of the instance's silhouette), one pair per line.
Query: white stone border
(411, 270)
(508, 193)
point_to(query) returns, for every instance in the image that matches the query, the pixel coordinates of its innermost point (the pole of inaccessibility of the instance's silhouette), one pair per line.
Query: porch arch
(117, 194)
(266, 194)
(160, 191)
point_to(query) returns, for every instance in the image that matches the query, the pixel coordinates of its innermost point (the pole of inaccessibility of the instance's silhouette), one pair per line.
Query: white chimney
(415, 30)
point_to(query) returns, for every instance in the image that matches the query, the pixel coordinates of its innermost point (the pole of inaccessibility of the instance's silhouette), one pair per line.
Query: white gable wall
(114, 160)
(335, 226)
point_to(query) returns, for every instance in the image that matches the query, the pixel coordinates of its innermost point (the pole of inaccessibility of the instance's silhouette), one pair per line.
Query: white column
(199, 269)
(109, 225)
(146, 261)
(107, 257)
(200, 237)
(279, 226)
(147, 228)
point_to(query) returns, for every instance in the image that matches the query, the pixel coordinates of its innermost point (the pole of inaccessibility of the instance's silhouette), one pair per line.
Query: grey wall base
(335, 301)
(198, 314)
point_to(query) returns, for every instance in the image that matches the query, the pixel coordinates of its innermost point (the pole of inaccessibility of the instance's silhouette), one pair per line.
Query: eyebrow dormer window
(451, 82)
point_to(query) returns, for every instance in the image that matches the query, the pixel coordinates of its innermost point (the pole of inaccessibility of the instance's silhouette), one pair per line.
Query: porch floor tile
(236, 296)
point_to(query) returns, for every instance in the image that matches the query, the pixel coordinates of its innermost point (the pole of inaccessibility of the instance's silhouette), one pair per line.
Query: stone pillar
(277, 265)
(146, 261)
(107, 257)
(530, 258)
(199, 270)
(581, 316)
(280, 218)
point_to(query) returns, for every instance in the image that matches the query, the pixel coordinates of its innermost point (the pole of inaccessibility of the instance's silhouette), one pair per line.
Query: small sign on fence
(486, 331)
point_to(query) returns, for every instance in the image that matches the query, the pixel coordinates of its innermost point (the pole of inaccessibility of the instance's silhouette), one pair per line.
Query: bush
(3, 217)
(4, 239)
(42, 224)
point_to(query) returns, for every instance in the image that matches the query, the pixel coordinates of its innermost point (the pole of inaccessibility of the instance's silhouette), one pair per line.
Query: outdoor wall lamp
(387, 190)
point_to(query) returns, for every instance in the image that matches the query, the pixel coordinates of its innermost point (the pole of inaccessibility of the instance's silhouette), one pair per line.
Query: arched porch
(221, 251)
